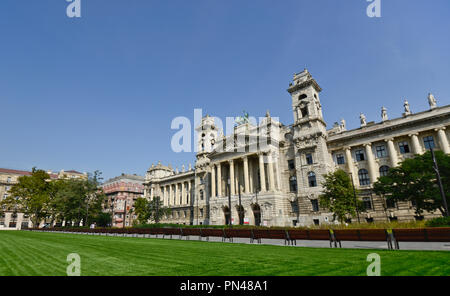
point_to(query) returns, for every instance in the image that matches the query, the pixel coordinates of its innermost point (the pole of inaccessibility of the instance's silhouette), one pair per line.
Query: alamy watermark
(242, 134)
(74, 268)
(374, 268)
(374, 8)
(74, 8)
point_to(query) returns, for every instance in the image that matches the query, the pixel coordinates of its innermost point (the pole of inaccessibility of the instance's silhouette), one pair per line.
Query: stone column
(415, 144)
(183, 193)
(371, 162)
(219, 179)
(270, 168)
(20, 220)
(250, 177)
(231, 162)
(213, 181)
(189, 195)
(349, 162)
(262, 175)
(246, 180)
(392, 153)
(443, 141)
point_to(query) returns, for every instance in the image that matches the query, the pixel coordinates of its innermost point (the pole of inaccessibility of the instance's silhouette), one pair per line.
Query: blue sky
(100, 92)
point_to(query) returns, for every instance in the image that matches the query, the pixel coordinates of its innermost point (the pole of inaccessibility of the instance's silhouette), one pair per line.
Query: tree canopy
(414, 180)
(338, 195)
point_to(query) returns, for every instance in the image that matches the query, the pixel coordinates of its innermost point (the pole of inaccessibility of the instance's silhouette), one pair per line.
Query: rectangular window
(360, 155)
(340, 159)
(309, 158)
(404, 147)
(291, 164)
(381, 151)
(390, 203)
(428, 142)
(315, 205)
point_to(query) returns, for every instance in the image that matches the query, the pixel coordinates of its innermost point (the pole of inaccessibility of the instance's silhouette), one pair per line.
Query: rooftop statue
(432, 101)
(362, 118)
(242, 119)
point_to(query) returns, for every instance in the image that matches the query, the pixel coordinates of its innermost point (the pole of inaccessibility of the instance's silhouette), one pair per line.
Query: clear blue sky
(100, 92)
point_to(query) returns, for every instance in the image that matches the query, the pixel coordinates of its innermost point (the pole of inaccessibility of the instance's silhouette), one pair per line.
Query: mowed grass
(34, 253)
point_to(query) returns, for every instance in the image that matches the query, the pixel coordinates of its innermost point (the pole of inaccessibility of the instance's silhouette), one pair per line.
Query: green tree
(31, 196)
(142, 210)
(157, 209)
(338, 196)
(415, 180)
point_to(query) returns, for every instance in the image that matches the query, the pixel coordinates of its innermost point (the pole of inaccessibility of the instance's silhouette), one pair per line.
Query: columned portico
(349, 163)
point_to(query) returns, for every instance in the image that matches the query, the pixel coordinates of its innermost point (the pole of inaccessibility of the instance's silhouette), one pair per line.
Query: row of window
(312, 181)
(381, 150)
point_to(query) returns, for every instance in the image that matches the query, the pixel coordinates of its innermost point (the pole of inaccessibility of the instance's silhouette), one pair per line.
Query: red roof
(15, 172)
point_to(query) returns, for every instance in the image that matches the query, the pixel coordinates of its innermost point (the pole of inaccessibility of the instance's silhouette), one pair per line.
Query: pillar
(415, 144)
(213, 181)
(392, 153)
(443, 141)
(262, 175)
(371, 162)
(219, 179)
(270, 168)
(231, 162)
(349, 162)
(246, 179)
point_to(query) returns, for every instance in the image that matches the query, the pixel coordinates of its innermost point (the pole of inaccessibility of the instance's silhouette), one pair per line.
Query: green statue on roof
(242, 119)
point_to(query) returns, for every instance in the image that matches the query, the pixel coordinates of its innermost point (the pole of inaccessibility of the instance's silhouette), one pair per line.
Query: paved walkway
(311, 243)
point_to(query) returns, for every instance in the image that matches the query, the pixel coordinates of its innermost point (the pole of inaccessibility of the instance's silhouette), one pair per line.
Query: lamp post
(354, 195)
(441, 188)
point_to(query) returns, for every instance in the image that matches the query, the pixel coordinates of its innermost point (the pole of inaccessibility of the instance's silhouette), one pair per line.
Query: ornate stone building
(121, 193)
(270, 174)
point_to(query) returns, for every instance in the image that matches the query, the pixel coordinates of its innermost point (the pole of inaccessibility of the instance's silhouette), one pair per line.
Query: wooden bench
(371, 235)
(231, 233)
(213, 232)
(259, 234)
(313, 234)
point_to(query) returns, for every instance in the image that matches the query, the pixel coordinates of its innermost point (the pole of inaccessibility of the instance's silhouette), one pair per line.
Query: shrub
(438, 222)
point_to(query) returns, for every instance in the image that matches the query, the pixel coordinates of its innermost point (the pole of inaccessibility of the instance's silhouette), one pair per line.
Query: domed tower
(312, 159)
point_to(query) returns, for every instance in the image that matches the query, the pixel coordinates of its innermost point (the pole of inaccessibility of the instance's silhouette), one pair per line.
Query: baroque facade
(271, 174)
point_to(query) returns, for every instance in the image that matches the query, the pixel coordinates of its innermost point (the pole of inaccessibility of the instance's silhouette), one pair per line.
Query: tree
(142, 210)
(157, 209)
(31, 196)
(414, 180)
(338, 195)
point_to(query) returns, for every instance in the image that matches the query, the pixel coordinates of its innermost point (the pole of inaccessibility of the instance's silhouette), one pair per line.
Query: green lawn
(35, 253)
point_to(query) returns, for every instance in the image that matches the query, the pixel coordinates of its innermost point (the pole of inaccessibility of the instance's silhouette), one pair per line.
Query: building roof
(15, 172)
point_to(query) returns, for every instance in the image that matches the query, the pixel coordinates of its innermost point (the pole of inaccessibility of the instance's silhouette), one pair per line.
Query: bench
(271, 234)
(230, 233)
(370, 235)
(211, 232)
(314, 234)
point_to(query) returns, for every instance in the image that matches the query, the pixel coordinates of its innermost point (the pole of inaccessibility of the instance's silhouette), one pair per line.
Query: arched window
(384, 170)
(363, 175)
(312, 179)
(303, 96)
(293, 183)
